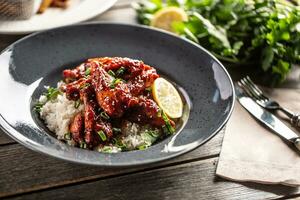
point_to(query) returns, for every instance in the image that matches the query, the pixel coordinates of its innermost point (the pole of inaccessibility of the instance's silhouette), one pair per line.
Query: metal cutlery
(267, 118)
(260, 98)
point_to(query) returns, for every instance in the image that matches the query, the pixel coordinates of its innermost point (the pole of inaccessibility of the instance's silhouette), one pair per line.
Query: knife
(267, 118)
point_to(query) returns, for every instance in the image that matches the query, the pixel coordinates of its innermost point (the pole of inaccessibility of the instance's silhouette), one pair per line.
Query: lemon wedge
(167, 97)
(165, 17)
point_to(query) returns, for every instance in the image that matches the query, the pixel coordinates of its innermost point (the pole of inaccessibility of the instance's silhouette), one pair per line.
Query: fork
(261, 99)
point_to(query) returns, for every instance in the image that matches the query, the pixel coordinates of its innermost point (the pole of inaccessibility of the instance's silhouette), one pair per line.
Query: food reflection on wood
(52, 3)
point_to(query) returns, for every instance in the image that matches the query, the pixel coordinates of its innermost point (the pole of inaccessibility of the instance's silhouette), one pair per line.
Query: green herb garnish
(102, 135)
(148, 89)
(118, 143)
(77, 103)
(168, 125)
(87, 71)
(117, 130)
(38, 107)
(112, 73)
(115, 82)
(85, 85)
(52, 93)
(120, 71)
(262, 33)
(104, 115)
(82, 145)
(67, 136)
(142, 147)
(107, 149)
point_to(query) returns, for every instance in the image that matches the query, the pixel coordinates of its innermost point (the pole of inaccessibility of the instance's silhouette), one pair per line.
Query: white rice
(58, 114)
(135, 136)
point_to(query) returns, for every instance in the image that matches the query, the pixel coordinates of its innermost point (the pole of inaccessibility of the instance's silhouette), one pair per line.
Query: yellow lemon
(167, 97)
(165, 17)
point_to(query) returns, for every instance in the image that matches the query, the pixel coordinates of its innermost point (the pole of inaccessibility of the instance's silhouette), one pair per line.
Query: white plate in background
(78, 11)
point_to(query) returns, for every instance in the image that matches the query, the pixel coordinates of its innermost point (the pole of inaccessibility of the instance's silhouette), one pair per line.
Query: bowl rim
(12, 132)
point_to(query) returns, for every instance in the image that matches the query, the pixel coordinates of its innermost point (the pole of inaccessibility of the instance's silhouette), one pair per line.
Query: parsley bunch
(264, 33)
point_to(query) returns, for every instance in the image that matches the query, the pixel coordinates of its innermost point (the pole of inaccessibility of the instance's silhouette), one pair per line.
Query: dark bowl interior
(37, 60)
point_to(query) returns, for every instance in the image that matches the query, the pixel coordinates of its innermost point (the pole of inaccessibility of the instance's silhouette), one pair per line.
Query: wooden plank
(5, 139)
(31, 171)
(188, 181)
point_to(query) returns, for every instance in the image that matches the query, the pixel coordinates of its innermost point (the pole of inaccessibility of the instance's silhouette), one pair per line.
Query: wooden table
(25, 174)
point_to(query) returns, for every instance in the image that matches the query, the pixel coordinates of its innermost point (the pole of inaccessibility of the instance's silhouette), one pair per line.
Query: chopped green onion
(115, 82)
(102, 135)
(104, 115)
(38, 107)
(159, 113)
(67, 136)
(82, 145)
(142, 147)
(107, 149)
(117, 130)
(77, 103)
(167, 122)
(85, 85)
(112, 73)
(118, 143)
(120, 71)
(148, 89)
(52, 93)
(87, 71)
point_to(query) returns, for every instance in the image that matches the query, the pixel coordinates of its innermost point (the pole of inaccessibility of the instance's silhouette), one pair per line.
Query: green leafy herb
(82, 145)
(102, 135)
(87, 71)
(67, 136)
(117, 130)
(120, 71)
(265, 34)
(107, 149)
(115, 82)
(170, 129)
(77, 103)
(85, 85)
(148, 89)
(118, 143)
(52, 93)
(38, 107)
(142, 147)
(104, 115)
(112, 73)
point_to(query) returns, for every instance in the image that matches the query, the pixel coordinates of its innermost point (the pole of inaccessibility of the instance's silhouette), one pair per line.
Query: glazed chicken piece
(133, 67)
(112, 97)
(73, 89)
(71, 75)
(76, 128)
(147, 112)
(87, 96)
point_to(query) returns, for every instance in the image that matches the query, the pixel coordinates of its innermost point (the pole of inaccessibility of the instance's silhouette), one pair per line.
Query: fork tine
(246, 90)
(253, 84)
(255, 89)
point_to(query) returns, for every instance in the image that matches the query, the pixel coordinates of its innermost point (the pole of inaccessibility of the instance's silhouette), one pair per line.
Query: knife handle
(295, 120)
(297, 143)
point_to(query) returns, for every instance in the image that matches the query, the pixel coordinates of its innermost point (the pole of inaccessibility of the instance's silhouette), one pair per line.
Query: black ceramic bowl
(38, 59)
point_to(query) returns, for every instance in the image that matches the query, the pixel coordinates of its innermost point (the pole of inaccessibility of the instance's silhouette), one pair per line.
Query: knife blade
(267, 118)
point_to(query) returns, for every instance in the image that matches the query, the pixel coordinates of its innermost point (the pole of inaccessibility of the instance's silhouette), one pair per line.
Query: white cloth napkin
(250, 152)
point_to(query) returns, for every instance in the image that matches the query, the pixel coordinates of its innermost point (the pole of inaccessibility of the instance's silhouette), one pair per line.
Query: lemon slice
(165, 17)
(167, 97)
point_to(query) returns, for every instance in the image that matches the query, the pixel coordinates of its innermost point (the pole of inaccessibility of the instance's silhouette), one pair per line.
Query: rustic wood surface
(25, 174)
